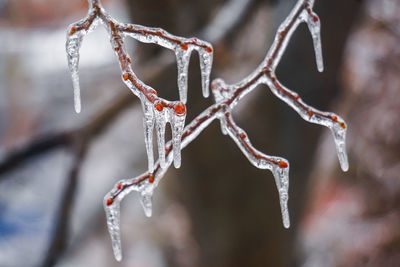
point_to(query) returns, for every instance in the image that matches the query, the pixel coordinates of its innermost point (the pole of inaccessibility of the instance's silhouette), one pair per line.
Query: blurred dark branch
(34, 148)
(59, 238)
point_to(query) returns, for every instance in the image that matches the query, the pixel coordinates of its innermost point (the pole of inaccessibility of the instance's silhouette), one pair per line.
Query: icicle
(206, 58)
(281, 175)
(177, 125)
(112, 209)
(145, 200)
(223, 127)
(339, 135)
(314, 26)
(182, 60)
(72, 46)
(148, 124)
(160, 130)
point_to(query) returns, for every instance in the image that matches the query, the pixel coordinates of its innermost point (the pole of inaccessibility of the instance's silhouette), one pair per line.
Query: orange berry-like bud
(119, 186)
(125, 76)
(310, 113)
(180, 108)
(154, 92)
(243, 135)
(334, 118)
(209, 49)
(283, 164)
(151, 179)
(315, 19)
(159, 106)
(72, 31)
(109, 201)
(184, 46)
(343, 125)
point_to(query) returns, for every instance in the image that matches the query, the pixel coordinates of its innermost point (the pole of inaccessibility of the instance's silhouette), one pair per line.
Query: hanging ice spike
(72, 46)
(314, 26)
(159, 112)
(206, 58)
(182, 61)
(112, 208)
(281, 176)
(175, 114)
(339, 135)
(183, 53)
(145, 200)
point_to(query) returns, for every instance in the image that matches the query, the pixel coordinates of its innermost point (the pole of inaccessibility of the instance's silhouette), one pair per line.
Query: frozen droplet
(182, 60)
(113, 225)
(206, 58)
(281, 176)
(73, 45)
(339, 135)
(314, 26)
(145, 200)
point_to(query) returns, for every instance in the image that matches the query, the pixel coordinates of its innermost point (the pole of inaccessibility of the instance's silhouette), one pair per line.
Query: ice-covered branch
(157, 111)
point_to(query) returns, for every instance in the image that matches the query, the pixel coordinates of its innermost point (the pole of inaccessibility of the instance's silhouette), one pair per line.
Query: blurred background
(217, 210)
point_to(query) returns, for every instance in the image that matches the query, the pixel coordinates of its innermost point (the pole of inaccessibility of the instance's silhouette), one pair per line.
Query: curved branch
(226, 97)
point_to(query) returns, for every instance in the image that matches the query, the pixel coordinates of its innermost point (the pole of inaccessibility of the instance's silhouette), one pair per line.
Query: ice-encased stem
(206, 59)
(72, 47)
(113, 224)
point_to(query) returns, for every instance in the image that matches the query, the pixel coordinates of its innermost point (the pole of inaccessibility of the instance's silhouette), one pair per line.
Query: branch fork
(158, 112)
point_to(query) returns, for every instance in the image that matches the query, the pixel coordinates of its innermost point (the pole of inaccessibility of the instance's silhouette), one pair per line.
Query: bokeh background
(217, 210)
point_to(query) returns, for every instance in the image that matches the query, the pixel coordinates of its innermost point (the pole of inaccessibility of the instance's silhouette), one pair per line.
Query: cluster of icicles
(160, 112)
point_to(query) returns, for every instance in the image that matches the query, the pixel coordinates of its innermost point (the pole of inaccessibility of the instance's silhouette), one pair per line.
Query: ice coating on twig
(152, 118)
(158, 112)
(183, 48)
(278, 166)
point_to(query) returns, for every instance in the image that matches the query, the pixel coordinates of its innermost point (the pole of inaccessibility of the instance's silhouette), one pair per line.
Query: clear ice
(156, 116)
(113, 225)
(72, 46)
(223, 92)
